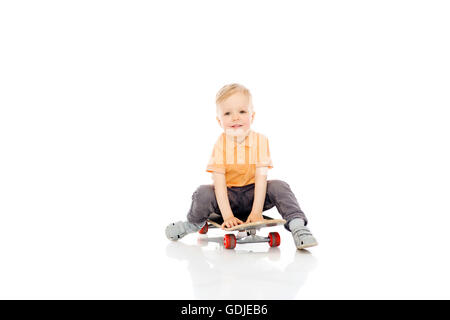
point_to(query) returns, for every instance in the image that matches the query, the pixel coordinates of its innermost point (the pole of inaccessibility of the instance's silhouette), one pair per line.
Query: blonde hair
(228, 90)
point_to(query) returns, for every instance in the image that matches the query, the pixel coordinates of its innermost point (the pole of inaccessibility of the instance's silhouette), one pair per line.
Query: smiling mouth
(236, 126)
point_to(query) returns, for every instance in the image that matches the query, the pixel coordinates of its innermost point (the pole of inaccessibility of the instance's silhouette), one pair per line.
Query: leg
(280, 194)
(203, 204)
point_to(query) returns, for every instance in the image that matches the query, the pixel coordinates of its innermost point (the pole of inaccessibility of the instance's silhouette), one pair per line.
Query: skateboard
(246, 231)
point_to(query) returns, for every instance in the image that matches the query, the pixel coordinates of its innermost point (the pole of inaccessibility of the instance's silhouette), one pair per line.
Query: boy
(239, 165)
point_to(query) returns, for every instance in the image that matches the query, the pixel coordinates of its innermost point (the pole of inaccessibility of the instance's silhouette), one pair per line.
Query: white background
(107, 121)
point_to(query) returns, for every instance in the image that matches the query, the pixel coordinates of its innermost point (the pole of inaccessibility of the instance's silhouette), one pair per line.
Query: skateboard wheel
(274, 239)
(204, 230)
(229, 241)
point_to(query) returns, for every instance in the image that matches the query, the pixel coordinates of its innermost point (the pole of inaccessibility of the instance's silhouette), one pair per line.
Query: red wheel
(204, 230)
(229, 241)
(274, 239)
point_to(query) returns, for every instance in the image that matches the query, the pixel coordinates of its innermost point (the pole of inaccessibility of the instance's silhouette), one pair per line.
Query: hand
(231, 222)
(254, 217)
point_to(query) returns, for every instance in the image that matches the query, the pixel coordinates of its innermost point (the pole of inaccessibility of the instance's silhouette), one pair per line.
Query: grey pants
(278, 194)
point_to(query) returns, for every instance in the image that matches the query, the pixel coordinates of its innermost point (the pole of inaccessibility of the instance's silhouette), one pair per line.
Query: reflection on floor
(250, 271)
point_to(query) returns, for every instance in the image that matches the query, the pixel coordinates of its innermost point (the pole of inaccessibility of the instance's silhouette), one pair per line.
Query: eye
(227, 113)
(243, 111)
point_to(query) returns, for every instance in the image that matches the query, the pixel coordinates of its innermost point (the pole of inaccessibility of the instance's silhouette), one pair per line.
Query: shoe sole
(307, 246)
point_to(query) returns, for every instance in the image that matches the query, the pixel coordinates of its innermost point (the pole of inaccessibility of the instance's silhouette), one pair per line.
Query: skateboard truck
(250, 236)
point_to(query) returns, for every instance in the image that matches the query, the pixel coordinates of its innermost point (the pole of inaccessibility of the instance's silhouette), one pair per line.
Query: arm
(220, 189)
(259, 196)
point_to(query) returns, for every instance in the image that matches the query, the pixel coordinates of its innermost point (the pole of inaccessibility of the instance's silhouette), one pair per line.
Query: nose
(235, 116)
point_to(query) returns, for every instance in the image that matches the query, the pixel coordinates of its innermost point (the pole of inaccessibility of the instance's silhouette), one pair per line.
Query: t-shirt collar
(230, 138)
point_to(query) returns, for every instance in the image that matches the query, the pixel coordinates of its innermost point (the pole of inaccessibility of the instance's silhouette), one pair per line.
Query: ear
(253, 116)
(218, 120)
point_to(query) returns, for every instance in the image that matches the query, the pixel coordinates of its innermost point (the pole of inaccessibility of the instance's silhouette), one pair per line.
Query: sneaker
(178, 230)
(303, 238)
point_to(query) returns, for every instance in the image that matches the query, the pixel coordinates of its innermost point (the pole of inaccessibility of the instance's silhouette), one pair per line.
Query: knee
(276, 185)
(204, 193)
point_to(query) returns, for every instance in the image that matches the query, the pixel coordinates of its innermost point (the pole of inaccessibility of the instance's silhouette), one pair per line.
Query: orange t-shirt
(238, 161)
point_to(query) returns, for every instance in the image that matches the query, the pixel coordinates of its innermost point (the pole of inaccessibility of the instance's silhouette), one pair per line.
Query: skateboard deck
(251, 225)
(246, 231)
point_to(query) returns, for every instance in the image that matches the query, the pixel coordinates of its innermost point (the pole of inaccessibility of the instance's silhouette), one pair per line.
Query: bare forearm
(260, 192)
(220, 189)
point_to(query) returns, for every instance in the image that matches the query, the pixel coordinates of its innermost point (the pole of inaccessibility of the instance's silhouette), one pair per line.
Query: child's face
(236, 114)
